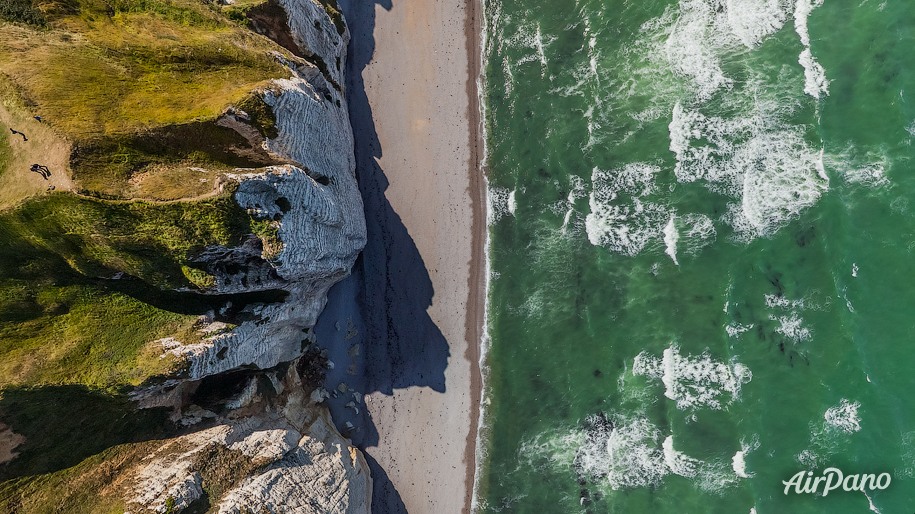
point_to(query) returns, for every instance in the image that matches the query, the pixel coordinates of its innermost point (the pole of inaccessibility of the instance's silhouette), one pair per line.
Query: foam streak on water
(694, 381)
(623, 216)
(815, 83)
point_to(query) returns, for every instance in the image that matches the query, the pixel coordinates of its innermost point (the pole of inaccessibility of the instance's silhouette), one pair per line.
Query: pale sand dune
(420, 86)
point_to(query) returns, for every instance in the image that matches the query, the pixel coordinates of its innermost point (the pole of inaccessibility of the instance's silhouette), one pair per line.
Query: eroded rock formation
(284, 452)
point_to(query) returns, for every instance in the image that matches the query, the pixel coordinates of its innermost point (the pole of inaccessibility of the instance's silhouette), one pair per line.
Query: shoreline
(476, 281)
(419, 146)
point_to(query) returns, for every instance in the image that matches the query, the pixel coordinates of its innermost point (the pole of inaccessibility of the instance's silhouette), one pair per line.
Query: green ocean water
(703, 276)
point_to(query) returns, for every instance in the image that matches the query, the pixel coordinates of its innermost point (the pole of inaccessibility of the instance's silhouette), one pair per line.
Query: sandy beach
(413, 103)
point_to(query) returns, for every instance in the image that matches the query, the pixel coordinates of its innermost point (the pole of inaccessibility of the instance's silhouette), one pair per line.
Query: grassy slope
(111, 76)
(62, 322)
(93, 486)
(128, 81)
(65, 424)
(112, 67)
(107, 72)
(5, 154)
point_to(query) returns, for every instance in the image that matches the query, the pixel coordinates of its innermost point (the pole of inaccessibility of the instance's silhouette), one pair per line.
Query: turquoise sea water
(703, 254)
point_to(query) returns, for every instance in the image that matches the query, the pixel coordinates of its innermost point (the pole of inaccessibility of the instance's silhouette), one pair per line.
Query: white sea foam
(757, 159)
(696, 232)
(705, 30)
(694, 381)
(815, 82)
(526, 40)
(868, 169)
(512, 202)
(802, 10)
(739, 464)
(677, 462)
(870, 504)
(623, 453)
(792, 327)
(781, 177)
(626, 455)
(623, 218)
(690, 232)
(854, 270)
(754, 20)
(777, 301)
(735, 329)
(830, 434)
(538, 45)
(576, 192)
(691, 47)
(508, 70)
(808, 458)
(788, 315)
(873, 174)
(670, 240)
(499, 203)
(738, 461)
(844, 417)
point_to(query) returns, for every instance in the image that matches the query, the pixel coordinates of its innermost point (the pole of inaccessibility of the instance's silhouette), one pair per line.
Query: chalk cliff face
(314, 202)
(289, 458)
(159, 282)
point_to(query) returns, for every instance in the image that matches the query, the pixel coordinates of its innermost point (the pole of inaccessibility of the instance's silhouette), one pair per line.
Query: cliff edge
(194, 201)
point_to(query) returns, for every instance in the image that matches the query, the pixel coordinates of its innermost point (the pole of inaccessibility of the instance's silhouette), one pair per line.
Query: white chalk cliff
(288, 458)
(316, 201)
(298, 461)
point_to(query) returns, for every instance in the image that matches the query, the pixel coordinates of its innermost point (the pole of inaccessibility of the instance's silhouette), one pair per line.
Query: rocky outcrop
(281, 451)
(286, 457)
(314, 203)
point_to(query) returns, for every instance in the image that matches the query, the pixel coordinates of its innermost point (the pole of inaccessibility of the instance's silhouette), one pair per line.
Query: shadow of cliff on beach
(376, 327)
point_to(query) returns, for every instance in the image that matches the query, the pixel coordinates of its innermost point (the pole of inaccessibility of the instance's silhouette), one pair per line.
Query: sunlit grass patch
(134, 71)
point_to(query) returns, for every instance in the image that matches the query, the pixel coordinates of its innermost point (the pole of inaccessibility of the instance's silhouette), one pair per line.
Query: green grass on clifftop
(64, 319)
(105, 67)
(98, 238)
(137, 85)
(63, 425)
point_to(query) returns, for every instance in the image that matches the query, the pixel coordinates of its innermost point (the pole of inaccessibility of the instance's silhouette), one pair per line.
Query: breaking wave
(624, 452)
(623, 218)
(694, 381)
(764, 164)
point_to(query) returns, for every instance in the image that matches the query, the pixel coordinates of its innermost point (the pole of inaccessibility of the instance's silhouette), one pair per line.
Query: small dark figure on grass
(42, 170)
(15, 132)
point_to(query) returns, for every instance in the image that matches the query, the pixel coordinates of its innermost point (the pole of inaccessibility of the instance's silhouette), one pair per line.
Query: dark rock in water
(776, 280)
(805, 236)
(598, 373)
(598, 425)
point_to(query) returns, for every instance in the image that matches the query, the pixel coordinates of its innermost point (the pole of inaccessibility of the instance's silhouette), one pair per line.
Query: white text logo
(832, 479)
